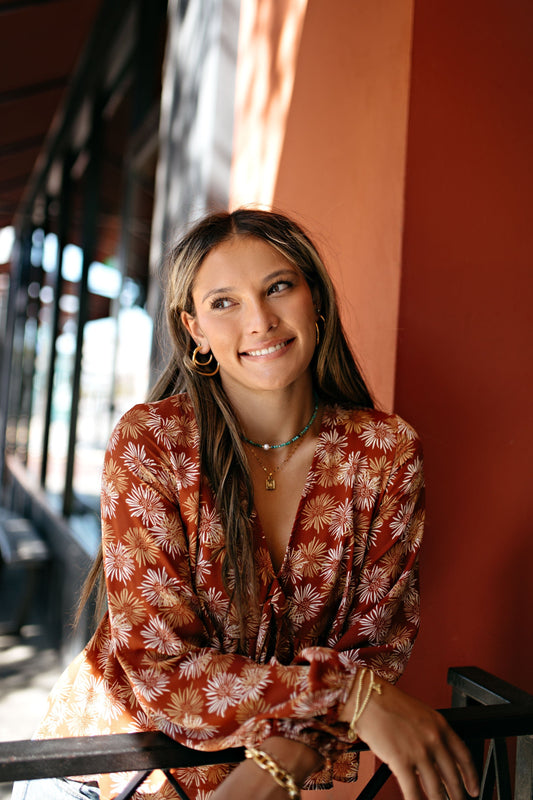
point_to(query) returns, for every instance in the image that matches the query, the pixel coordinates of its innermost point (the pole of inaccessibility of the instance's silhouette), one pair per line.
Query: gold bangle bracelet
(361, 701)
(282, 777)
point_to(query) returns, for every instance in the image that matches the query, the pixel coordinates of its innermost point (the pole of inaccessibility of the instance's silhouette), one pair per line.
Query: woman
(261, 526)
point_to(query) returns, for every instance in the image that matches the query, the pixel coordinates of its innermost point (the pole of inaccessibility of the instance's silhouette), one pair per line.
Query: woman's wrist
(276, 770)
(296, 758)
(364, 685)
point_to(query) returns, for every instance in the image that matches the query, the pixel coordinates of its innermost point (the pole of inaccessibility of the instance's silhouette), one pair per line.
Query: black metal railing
(484, 709)
(475, 688)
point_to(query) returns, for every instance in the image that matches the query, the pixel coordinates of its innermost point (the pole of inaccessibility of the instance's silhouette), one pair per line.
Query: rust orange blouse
(164, 656)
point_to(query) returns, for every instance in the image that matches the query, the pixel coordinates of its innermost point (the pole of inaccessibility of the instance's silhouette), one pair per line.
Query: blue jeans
(54, 789)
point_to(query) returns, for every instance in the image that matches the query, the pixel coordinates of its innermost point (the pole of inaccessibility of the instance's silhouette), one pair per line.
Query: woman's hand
(249, 780)
(418, 745)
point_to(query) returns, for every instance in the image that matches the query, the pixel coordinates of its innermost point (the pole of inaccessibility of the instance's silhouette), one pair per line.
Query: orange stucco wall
(340, 167)
(465, 360)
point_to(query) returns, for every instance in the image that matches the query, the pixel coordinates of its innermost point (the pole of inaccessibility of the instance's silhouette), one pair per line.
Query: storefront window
(81, 337)
(116, 358)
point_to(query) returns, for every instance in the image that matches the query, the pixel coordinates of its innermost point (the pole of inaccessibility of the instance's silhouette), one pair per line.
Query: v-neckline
(278, 573)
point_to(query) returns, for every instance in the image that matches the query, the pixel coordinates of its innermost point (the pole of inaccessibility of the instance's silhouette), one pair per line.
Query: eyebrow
(271, 276)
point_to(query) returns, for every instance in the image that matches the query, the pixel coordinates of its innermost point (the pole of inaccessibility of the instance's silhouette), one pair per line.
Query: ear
(195, 331)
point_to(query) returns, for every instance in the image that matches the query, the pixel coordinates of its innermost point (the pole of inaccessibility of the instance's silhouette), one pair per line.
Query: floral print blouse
(165, 657)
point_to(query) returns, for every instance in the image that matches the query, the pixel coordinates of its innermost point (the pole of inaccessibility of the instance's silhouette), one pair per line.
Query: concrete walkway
(27, 673)
(29, 667)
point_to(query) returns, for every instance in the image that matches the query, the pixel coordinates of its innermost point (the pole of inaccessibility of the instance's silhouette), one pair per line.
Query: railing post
(472, 686)
(524, 768)
(477, 746)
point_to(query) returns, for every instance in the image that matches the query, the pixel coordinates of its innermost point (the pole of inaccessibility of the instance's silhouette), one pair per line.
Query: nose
(260, 317)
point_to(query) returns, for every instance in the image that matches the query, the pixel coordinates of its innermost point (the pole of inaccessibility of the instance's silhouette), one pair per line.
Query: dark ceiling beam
(85, 78)
(6, 213)
(13, 183)
(23, 92)
(20, 5)
(21, 145)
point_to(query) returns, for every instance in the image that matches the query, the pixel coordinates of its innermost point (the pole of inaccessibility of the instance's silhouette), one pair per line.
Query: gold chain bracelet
(361, 701)
(282, 777)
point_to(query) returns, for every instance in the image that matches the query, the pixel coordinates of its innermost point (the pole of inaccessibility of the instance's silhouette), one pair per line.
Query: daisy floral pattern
(165, 657)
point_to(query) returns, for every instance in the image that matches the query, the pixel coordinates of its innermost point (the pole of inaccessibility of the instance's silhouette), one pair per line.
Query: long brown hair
(336, 378)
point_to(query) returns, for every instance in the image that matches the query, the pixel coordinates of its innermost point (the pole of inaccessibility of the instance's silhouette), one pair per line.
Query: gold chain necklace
(270, 483)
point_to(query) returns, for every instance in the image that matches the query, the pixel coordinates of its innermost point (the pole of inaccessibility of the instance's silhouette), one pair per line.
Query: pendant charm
(270, 483)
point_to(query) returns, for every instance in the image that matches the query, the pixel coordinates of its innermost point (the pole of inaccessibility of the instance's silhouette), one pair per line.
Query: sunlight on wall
(269, 39)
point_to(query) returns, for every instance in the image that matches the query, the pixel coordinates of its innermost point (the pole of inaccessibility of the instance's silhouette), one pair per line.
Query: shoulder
(371, 430)
(367, 420)
(169, 422)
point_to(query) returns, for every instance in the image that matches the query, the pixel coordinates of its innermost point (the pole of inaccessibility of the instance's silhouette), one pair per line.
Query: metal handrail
(144, 752)
(87, 755)
(479, 686)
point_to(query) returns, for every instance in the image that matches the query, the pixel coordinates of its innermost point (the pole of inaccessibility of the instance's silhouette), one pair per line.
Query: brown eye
(220, 303)
(279, 286)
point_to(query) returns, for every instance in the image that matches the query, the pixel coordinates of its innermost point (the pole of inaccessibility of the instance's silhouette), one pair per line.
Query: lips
(266, 351)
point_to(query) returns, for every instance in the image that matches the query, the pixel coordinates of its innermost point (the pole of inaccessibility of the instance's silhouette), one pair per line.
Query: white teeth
(266, 350)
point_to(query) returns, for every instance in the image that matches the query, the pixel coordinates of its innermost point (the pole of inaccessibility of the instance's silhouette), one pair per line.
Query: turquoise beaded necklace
(289, 441)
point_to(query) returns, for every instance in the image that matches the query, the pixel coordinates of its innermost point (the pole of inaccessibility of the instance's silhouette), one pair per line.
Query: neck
(275, 417)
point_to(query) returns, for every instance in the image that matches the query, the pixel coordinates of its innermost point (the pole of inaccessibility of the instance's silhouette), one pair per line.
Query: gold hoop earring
(198, 365)
(317, 329)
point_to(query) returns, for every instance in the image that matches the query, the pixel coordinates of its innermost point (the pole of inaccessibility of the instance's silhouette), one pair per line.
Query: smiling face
(255, 312)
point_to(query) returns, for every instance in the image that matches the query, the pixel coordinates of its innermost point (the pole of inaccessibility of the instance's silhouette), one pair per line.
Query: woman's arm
(249, 780)
(422, 751)
(415, 741)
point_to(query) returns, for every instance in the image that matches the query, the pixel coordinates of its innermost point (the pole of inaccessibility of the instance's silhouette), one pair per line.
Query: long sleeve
(384, 615)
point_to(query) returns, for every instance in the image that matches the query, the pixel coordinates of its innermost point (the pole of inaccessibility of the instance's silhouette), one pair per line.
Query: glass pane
(44, 292)
(65, 351)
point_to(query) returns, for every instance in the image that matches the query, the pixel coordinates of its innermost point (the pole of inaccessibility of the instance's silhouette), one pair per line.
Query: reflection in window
(115, 374)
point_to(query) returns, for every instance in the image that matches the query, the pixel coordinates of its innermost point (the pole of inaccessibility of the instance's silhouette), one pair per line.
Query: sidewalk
(28, 670)
(27, 673)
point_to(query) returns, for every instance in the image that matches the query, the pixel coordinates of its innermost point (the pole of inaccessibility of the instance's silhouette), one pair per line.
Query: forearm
(296, 757)
(250, 780)
(409, 736)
